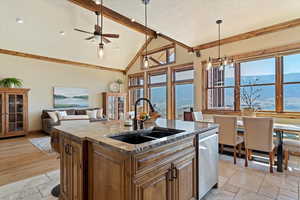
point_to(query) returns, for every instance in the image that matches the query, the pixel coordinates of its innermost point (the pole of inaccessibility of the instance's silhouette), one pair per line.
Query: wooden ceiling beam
(121, 19)
(251, 34)
(138, 54)
(114, 16)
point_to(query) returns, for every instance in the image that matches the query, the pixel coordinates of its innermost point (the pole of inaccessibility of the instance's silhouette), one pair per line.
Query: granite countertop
(99, 132)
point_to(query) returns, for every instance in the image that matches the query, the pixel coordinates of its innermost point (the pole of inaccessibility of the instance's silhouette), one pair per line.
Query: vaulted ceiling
(191, 22)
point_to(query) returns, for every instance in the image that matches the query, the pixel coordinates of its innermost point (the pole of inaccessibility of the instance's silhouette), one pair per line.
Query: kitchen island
(108, 161)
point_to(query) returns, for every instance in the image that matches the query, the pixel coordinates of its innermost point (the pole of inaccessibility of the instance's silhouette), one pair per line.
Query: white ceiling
(193, 21)
(44, 19)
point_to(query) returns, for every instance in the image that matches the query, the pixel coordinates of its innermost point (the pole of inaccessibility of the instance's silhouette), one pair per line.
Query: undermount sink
(132, 138)
(142, 136)
(158, 132)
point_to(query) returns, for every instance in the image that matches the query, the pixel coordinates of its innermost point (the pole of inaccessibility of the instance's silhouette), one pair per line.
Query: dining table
(279, 130)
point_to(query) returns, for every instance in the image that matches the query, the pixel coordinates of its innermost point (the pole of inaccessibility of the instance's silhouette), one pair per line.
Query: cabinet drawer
(160, 156)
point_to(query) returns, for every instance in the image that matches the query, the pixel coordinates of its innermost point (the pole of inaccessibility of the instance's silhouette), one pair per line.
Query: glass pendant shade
(146, 62)
(100, 50)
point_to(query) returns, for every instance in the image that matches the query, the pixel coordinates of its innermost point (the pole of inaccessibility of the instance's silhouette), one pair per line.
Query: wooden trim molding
(56, 60)
(251, 34)
(139, 53)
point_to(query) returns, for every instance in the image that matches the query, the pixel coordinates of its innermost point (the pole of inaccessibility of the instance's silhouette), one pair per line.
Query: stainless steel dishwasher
(207, 162)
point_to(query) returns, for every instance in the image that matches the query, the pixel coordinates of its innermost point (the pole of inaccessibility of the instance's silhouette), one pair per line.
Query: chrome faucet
(135, 120)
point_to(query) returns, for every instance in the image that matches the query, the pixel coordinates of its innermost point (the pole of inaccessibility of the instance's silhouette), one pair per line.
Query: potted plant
(11, 83)
(249, 98)
(119, 82)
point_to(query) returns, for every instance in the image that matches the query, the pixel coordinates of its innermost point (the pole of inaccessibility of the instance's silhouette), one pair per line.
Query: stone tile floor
(235, 183)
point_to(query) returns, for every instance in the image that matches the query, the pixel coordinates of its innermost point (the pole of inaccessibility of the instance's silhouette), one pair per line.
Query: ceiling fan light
(100, 50)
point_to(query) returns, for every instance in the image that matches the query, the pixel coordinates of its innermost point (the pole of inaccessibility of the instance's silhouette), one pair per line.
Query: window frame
(134, 87)
(161, 49)
(279, 84)
(180, 82)
(155, 85)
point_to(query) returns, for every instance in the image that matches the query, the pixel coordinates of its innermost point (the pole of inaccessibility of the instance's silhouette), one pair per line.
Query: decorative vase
(249, 112)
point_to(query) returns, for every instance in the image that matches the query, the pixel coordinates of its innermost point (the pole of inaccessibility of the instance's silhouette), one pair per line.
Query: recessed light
(98, 2)
(62, 33)
(19, 20)
(157, 32)
(132, 20)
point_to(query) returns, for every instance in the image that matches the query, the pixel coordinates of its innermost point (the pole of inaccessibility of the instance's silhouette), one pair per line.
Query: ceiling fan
(96, 35)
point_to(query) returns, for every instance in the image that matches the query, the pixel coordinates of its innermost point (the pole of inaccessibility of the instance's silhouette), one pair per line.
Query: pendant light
(222, 61)
(146, 60)
(100, 48)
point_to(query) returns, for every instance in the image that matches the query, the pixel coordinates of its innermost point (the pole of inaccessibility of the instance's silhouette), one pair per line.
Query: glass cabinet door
(121, 108)
(111, 108)
(15, 121)
(2, 114)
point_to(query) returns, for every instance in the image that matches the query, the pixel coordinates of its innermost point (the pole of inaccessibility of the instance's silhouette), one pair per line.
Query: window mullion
(237, 78)
(279, 84)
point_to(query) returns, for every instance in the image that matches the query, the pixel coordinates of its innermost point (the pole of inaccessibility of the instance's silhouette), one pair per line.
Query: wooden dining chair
(197, 116)
(290, 145)
(228, 133)
(258, 135)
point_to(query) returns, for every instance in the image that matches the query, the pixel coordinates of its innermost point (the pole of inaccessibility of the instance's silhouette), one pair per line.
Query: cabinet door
(16, 114)
(77, 171)
(184, 178)
(65, 172)
(2, 114)
(155, 186)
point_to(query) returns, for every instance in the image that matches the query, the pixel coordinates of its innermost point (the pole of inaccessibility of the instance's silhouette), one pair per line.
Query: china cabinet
(114, 105)
(14, 112)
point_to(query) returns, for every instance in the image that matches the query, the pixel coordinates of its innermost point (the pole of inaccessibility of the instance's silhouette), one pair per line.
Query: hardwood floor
(19, 159)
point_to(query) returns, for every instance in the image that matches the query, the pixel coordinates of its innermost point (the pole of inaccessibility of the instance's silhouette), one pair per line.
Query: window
(162, 56)
(257, 87)
(184, 91)
(268, 84)
(158, 92)
(220, 91)
(136, 89)
(291, 83)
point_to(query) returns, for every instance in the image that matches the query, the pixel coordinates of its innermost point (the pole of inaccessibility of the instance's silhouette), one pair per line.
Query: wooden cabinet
(93, 171)
(71, 158)
(114, 105)
(14, 112)
(165, 173)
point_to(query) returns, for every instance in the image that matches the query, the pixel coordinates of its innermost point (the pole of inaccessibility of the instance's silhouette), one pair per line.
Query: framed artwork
(70, 97)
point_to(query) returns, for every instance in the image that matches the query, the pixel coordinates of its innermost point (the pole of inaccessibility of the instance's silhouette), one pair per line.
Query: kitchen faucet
(135, 120)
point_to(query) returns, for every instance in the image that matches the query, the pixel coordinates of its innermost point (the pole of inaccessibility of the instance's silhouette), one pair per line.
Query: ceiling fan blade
(106, 40)
(76, 29)
(111, 35)
(89, 38)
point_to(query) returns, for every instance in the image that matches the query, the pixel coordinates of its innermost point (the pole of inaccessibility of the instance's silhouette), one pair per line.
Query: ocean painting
(70, 97)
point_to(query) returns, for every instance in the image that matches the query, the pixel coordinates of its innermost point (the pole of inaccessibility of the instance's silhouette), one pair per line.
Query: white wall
(42, 76)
